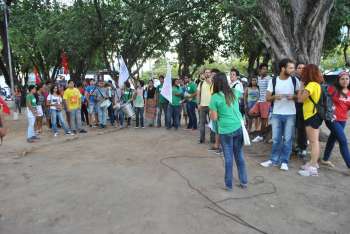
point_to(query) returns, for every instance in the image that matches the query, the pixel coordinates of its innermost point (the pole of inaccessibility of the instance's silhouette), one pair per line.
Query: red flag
(64, 61)
(5, 108)
(37, 76)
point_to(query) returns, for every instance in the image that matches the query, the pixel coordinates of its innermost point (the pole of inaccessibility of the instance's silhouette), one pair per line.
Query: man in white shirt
(281, 92)
(236, 84)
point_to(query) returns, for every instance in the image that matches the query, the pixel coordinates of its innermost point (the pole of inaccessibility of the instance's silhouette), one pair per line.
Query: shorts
(260, 109)
(315, 122)
(92, 109)
(251, 104)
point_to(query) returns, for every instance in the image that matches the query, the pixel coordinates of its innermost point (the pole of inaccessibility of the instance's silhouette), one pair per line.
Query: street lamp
(8, 49)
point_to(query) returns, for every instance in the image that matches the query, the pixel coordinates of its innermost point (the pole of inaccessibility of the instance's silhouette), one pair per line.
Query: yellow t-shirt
(314, 90)
(206, 92)
(72, 98)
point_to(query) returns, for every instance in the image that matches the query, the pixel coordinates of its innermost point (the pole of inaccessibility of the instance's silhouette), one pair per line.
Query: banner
(123, 72)
(167, 90)
(64, 61)
(37, 76)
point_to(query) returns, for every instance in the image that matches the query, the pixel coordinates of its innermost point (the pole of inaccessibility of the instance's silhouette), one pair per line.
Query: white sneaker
(284, 167)
(55, 134)
(310, 171)
(257, 139)
(267, 163)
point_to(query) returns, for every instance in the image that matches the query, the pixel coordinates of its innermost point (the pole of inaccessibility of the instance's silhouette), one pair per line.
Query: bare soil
(158, 181)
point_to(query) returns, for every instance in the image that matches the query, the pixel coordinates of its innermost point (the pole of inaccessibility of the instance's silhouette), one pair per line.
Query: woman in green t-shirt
(31, 114)
(224, 108)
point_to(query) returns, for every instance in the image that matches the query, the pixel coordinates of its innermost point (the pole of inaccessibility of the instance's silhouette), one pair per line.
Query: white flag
(123, 72)
(167, 90)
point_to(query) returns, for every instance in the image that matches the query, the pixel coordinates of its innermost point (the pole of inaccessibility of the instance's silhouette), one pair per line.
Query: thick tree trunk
(297, 34)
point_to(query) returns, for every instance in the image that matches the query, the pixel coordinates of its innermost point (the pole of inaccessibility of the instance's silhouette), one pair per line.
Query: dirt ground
(158, 181)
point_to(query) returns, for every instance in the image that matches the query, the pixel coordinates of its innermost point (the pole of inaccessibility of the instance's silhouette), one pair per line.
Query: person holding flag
(174, 106)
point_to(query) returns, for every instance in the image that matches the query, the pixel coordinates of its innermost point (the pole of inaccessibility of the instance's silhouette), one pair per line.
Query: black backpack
(324, 106)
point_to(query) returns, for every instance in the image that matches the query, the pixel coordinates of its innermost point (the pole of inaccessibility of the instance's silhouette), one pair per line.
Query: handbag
(246, 137)
(106, 103)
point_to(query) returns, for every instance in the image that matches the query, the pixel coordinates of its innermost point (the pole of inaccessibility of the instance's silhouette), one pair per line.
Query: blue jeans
(75, 119)
(232, 144)
(31, 131)
(337, 134)
(139, 116)
(282, 137)
(173, 116)
(102, 117)
(192, 117)
(58, 114)
(120, 116)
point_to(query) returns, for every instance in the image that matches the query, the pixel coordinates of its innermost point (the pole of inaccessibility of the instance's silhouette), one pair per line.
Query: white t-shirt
(284, 88)
(263, 83)
(53, 100)
(237, 85)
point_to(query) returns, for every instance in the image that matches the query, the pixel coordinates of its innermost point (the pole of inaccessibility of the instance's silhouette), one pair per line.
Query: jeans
(337, 134)
(232, 144)
(173, 116)
(102, 115)
(31, 131)
(162, 108)
(203, 114)
(192, 117)
(300, 125)
(139, 116)
(283, 127)
(111, 115)
(55, 114)
(18, 104)
(75, 119)
(119, 114)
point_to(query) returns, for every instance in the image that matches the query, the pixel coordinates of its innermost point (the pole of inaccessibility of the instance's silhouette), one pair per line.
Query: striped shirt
(263, 83)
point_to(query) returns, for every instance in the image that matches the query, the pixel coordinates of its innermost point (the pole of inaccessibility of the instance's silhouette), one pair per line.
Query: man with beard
(281, 92)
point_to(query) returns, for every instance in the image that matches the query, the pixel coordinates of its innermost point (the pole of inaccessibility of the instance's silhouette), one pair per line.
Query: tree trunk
(346, 46)
(297, 34)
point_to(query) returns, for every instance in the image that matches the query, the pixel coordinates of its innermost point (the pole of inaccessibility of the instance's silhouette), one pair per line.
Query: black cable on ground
(218, 209)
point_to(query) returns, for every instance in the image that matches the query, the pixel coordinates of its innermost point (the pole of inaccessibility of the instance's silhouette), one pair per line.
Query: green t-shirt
(30, 98)
(161, 100)
(127, 95)
(176, 99)
(229, 117)
(191, 89)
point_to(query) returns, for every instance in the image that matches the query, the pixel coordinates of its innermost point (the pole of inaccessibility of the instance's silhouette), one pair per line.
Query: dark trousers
(301, 131)
(162, 108)
(173, 113)
(192, 117)
(203, 115)
(139, 116)
(84, 114)
(111, 115)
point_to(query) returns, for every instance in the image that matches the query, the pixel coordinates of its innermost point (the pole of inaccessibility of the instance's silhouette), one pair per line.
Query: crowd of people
(291, 105)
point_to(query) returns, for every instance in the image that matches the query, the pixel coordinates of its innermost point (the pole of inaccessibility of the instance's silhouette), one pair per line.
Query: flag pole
(8, 50)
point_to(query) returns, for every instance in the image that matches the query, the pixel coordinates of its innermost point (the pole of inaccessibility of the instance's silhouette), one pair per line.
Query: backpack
(324, 106)
(274, 82)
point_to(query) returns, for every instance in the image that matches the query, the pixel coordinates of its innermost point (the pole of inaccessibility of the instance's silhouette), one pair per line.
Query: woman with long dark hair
(251, 96)
(311, 79)
(341, 100)
(55, 103)
(224, 108)
(151, 104)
